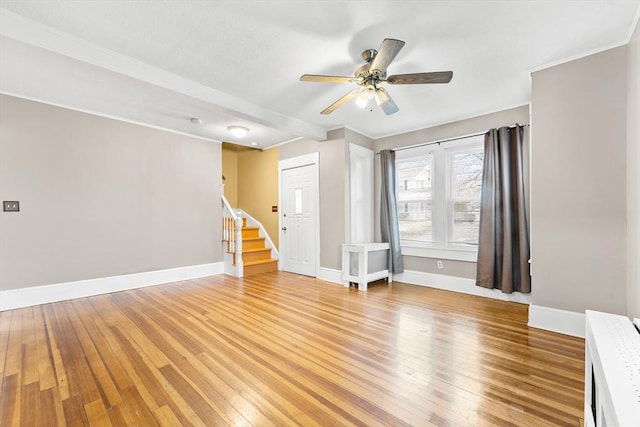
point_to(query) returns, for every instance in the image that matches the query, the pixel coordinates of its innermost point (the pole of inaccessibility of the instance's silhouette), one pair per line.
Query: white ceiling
(238, 62)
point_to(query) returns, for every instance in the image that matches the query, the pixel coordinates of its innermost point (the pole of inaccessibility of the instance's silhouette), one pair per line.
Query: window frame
(442, 216)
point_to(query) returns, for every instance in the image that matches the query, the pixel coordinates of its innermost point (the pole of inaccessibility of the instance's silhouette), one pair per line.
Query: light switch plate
(10, 206)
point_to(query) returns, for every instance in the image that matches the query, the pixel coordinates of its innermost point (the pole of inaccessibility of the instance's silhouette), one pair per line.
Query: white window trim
(470, 255)
(441, 209)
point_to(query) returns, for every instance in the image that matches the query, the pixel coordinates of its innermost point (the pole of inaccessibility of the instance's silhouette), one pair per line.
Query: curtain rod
(424, 144)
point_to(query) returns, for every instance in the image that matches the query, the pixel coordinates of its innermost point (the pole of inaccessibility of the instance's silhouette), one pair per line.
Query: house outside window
(438, 198)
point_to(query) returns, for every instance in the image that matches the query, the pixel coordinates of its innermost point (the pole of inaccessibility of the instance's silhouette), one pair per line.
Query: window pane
(466, 186)
(467, 174)
(414, 192)
(466, 223)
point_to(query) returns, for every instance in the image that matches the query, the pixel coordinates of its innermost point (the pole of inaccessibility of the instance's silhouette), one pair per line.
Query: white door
(298, 186)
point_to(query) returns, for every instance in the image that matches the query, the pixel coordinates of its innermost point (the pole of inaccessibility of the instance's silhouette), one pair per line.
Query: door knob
(284, 228)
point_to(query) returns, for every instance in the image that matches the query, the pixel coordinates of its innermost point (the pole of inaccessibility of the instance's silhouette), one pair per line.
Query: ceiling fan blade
(388, 50)
(385, 102)
(325, 79)
(420, 78)
(331, 108)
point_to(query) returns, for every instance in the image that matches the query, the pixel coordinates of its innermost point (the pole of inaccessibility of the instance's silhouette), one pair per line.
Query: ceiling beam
(27, 31)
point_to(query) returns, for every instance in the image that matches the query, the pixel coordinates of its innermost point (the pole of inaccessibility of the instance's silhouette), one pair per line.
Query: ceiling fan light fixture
(364, 99)
(385, 102)
(238, 131)
(381, 97)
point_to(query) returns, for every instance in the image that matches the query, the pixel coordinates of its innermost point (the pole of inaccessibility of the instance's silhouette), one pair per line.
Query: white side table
(363, 276)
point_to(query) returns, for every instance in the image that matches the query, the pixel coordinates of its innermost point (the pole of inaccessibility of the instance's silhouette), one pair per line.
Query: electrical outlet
(439, 264)
(10, 206)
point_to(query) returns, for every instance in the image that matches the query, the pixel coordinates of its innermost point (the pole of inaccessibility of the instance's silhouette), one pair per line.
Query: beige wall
(633, 175)
(258, 187)
(451, 130)
(353, 137)
(578, 184)
(230, 172)
(100, 197)
(332, 192)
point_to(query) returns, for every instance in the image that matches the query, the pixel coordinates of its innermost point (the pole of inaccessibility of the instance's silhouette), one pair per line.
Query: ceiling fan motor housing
(365, 77)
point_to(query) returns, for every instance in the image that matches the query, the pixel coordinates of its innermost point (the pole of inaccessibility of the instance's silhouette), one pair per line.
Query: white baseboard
(555, 320)
(330, 275)
(457, 284)
(26, 297)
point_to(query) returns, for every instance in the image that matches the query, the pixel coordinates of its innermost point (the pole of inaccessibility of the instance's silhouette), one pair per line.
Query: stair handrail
(267, 238)
(232, 232)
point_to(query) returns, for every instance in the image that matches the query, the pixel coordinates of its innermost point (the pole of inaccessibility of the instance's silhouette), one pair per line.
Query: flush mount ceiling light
(238, 131)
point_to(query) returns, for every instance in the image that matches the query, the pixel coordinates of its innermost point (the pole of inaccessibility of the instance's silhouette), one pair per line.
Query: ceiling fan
(374, 72)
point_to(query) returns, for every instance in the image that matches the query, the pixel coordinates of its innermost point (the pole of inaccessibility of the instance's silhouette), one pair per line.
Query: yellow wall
(230, 172)
(257, 188)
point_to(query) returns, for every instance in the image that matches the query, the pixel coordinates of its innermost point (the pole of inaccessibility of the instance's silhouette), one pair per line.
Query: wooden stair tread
(244, 251)
(259, 261)
(252, 238)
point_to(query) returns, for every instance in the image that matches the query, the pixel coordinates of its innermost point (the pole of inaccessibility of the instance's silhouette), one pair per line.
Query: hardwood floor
(281, 349)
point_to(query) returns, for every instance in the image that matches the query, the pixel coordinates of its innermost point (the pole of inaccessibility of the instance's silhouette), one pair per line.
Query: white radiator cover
(612, 371)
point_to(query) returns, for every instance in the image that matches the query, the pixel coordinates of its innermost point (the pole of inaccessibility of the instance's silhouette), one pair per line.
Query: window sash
(414, 192)
(462, 229)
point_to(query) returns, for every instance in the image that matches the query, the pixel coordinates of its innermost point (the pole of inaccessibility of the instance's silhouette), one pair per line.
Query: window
(438, 191)
(415, 196)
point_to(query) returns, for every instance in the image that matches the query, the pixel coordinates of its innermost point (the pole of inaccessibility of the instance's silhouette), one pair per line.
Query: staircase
(248, 248)
(256, 256)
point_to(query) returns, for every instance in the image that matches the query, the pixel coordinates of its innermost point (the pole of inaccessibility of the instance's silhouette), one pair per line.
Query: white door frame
(311, 159)
(365, 184)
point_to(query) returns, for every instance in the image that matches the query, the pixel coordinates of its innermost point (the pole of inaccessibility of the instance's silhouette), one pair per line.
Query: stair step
(257, 254)
(250, 232)
(260, 266)
(252, 243)
(260, 261)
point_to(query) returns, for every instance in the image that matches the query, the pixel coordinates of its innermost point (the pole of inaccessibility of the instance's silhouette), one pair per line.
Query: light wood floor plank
(10, 401)
(281, 349)
(149, 382)
(165, 417)
(51, 409)
(97, 414)
(99, 372)
(46, 370)
(13, 361)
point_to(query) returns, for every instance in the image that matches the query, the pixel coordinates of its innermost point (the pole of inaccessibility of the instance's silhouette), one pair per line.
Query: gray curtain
(503, 249)
(389, 210)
